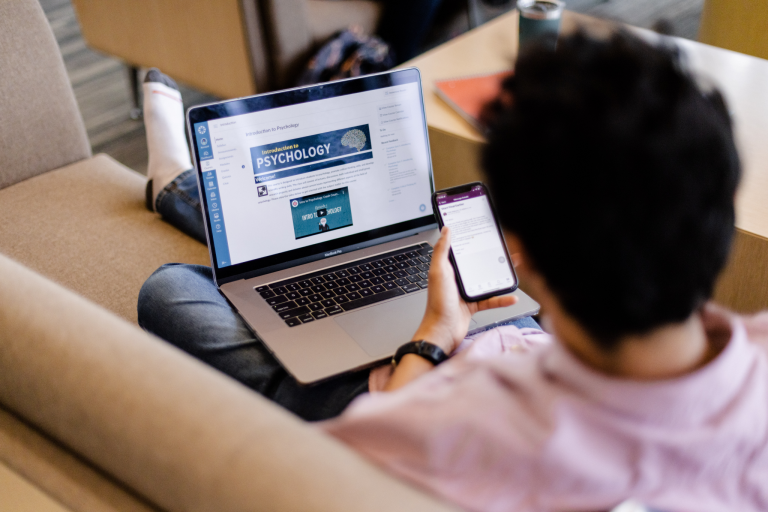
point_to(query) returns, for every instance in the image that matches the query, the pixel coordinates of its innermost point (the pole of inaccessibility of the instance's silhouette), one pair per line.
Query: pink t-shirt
(514, 422)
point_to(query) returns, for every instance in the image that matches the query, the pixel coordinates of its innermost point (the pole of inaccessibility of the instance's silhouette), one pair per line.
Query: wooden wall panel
(200, 43)
(738, 25)
(743, 285)
(455, 160)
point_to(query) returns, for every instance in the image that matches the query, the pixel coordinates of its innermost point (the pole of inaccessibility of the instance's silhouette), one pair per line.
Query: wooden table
(743, 79)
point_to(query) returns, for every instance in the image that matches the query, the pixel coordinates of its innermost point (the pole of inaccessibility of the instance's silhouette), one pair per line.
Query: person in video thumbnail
(323, 226)
(613, 174)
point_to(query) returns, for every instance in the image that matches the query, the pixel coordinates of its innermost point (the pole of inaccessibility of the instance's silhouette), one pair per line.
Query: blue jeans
(179, 205)
(181, 304)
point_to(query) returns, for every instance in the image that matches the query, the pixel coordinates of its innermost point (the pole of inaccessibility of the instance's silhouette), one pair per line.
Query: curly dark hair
(618, 174)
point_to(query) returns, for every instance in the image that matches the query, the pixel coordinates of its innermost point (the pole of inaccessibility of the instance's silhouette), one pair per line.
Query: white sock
(164, 122)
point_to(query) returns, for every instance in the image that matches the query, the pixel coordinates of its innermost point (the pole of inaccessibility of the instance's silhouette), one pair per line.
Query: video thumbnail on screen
(319, 213)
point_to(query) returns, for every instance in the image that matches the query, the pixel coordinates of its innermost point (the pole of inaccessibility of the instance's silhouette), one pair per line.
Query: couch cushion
(19, 494)
(59, 473)
(85, 226)
(41, 127)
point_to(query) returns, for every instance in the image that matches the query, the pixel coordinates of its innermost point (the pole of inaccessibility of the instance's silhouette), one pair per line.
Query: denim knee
(166, 285)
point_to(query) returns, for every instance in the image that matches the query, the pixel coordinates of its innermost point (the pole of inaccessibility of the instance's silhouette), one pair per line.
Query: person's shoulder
(755, 324)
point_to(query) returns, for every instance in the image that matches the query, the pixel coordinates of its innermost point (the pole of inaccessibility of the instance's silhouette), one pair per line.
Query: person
(181, 304)
(323, 225)
(613, 174)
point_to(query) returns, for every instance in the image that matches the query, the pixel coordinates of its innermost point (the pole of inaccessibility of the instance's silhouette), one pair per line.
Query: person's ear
(530, 280)
(516, 250)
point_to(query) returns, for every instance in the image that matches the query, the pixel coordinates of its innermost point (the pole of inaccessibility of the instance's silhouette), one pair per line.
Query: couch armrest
(174, 430)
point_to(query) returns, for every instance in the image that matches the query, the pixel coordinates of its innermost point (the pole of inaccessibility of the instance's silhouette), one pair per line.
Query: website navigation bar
(216, 215)
(203, 138)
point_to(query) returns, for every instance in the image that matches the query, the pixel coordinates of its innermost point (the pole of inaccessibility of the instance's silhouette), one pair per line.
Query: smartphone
(478, 252)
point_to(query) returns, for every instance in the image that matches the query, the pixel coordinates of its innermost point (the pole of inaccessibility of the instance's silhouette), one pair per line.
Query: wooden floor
(103, 92)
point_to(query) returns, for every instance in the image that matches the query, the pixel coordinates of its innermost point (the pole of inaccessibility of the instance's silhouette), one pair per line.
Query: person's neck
(665, 352)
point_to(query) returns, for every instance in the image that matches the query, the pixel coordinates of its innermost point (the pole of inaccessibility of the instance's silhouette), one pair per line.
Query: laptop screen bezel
(269, 101)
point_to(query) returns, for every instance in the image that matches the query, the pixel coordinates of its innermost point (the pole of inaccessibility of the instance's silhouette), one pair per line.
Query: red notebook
(468, 95)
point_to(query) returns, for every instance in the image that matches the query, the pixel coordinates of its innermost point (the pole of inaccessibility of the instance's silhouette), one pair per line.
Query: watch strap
(421, 348)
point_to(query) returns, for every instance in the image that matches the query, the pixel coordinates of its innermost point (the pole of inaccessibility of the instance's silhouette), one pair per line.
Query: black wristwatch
(425, 349)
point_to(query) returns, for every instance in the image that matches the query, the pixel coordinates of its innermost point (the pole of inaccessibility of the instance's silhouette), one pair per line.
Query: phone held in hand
(478, 252)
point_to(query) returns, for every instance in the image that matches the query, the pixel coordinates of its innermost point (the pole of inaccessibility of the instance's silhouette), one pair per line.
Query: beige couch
(95, 413)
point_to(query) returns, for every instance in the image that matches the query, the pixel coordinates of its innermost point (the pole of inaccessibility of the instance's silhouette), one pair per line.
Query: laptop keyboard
(353, 285)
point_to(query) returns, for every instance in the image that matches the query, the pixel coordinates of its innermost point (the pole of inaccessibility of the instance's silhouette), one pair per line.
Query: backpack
(349, 53)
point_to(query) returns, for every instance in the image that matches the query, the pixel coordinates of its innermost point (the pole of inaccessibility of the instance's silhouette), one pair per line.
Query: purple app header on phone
(477, 191)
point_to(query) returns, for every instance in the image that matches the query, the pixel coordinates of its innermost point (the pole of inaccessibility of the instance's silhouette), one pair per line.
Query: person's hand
(446, 320)
(447, 317)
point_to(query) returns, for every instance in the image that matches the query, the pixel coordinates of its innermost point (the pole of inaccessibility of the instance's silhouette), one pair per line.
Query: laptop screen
(308, 173)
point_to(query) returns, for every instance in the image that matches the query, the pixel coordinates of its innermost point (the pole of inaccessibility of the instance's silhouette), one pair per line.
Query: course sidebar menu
(216, 216)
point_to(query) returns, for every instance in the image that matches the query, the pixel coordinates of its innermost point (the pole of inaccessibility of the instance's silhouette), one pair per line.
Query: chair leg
(472, 14)
(133, 78)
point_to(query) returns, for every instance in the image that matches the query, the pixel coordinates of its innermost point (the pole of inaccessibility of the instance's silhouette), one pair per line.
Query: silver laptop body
(296, 183)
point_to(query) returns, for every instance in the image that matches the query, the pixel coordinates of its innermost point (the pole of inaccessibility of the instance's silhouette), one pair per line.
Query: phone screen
(478, 249)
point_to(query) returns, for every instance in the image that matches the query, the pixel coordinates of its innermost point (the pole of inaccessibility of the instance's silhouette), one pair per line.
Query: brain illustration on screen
(354, 139)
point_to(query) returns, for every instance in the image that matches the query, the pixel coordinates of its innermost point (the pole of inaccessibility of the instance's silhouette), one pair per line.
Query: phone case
(462, 291)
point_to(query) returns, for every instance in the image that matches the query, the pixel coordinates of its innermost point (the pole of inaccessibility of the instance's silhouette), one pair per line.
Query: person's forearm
(409, 368)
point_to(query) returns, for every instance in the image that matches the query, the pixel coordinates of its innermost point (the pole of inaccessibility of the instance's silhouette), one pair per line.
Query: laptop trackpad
(380, 329)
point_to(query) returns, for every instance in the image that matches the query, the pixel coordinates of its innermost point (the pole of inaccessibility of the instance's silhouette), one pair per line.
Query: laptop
(319, 220)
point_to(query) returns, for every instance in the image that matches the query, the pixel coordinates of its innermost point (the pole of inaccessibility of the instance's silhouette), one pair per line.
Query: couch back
(40, 124)
(177, 432)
